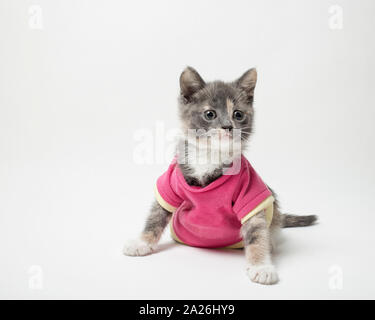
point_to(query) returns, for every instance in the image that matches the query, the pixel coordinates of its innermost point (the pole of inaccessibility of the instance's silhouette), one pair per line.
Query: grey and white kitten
(218, 108)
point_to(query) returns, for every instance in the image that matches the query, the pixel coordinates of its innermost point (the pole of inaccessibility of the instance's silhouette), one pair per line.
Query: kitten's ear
(247, 82)
(190, 82)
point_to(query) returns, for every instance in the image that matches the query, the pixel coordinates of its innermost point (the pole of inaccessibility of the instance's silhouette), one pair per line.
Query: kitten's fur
(195, 98)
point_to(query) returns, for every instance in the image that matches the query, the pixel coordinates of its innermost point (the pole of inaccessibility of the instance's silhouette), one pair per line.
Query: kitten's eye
(210, 114)
(238, 115)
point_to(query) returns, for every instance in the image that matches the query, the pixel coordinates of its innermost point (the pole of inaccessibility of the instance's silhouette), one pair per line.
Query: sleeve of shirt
(165, 190)
(252, 197)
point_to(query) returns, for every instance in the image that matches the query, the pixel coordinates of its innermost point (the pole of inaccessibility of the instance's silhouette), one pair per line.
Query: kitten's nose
(227, 127)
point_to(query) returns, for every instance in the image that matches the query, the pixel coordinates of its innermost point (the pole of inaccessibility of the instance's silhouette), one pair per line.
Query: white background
(74, 93)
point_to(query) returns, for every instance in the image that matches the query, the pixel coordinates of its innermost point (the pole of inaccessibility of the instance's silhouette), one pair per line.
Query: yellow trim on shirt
(266, 205)
(173, 234)
(162, 202)
(238, 245)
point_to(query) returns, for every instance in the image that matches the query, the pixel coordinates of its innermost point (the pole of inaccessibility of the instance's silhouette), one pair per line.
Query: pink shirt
(211, 217)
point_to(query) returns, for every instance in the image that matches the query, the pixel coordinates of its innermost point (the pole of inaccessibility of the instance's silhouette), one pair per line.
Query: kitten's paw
(263, 274)
(138, 247)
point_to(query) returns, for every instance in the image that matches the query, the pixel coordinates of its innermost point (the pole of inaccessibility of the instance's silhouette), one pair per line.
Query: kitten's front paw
(138, 247)
(263, 274)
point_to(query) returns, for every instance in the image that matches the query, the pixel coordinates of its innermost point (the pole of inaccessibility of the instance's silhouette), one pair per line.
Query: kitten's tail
(291, 220)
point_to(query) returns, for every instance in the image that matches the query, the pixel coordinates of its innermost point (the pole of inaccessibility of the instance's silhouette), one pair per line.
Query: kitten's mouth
(225, 136)
(217, 136)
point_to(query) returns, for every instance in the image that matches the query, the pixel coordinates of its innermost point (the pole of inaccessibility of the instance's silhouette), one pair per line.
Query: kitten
(211, 113)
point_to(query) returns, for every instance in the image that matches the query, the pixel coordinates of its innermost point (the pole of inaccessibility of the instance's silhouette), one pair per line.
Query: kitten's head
(217, 107)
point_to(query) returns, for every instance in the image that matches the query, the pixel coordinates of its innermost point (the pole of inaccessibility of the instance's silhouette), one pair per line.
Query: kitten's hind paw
(263, 274)
(138, 247)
